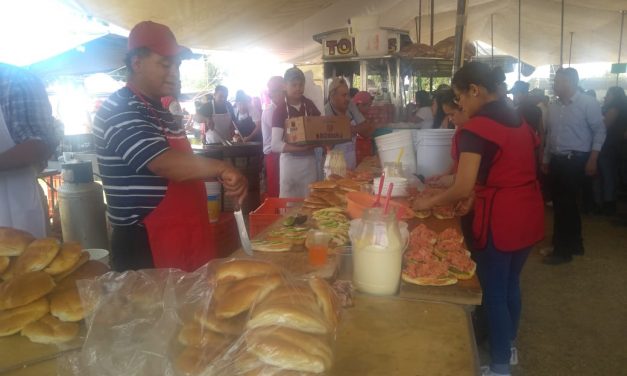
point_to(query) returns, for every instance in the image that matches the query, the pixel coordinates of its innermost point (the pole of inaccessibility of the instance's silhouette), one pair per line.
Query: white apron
(222, 123)
(297, 172)
(20, 200)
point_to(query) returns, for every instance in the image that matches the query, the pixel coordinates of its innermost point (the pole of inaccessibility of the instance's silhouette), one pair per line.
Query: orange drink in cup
(317, 244)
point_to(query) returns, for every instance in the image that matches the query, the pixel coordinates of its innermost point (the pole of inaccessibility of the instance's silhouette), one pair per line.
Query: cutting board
(467, 292)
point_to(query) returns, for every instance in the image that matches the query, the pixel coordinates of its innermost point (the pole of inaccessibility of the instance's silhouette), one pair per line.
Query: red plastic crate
(269, 212)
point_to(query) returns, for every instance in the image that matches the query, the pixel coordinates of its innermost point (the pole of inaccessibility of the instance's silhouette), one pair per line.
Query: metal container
(81, 206)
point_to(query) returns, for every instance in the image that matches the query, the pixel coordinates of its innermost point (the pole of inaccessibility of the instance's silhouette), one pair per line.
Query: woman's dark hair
(352, 91)
(128, 59)
(618, 100)
(478, 74)
(446, 97)
(423, 99)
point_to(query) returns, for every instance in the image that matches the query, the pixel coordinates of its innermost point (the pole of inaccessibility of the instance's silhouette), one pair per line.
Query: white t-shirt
(266, 128)
(426, 115)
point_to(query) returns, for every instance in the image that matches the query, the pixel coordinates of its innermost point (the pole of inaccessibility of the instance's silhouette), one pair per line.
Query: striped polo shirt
(128, 136)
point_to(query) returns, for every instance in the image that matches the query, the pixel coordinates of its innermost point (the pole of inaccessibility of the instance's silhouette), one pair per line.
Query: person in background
(276, 92)
(298, 166)
(339, 104)
(575, 135)
(440, 119)
(421, 112)
(503, 185)
(218, 113)
(247, 118)
(591, 93)
(615, 120)
(153, 182)
(27, 140)
(363, 101)
(352, 92)
(501, 93)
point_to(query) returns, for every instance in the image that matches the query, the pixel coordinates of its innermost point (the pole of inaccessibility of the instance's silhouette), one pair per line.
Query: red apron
(178, 228)
(509, 205)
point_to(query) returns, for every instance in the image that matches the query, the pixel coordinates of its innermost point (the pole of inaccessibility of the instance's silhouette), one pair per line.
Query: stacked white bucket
(426, 152)
(389, 146)
(433, 151)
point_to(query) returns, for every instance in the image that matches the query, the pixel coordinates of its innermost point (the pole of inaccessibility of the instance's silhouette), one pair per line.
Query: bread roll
(14, 320)
(24, 289)
(81, 261)
(90, 269)
(233, 326)
(13, 242)
(68, 256)
(327, 300)
(242, 294)
(307, 318)
(192, 334)
(239, 269)
(194, 360)
(298, 295)
(50, 330)
(36, 256)
(66, 305)
(5, 261)
(290, 349)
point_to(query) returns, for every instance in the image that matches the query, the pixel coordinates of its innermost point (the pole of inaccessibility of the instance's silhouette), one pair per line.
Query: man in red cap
(152, 180)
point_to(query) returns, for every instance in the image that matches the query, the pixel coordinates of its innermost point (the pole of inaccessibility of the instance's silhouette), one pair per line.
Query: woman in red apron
(497, 161)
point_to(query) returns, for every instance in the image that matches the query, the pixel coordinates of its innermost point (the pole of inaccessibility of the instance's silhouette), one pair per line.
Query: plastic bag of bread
(230, 317)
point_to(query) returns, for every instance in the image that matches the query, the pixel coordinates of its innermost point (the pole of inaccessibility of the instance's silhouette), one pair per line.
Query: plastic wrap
(230, 317)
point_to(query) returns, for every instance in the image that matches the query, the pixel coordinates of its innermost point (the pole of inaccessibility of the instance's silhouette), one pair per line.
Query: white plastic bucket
(433, 151)
(390, 145)
(399, 189)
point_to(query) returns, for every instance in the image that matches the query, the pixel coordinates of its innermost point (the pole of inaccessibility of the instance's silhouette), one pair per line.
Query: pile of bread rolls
(259, 322)
(38, 295)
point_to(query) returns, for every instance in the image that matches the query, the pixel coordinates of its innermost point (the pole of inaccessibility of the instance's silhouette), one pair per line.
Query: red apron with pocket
(510, 204)
(178, 228)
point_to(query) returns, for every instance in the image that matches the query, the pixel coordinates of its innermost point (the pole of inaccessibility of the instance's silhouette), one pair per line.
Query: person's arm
(594, 118)
(462, 187)
(27, 153)
(546, 152)
(254, 133)
(280, 146)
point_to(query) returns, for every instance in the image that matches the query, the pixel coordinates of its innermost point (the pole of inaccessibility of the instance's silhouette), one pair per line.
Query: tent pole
(562, 37)
(570, 49)
(620, 43)
(519, 28)
(492, 40)
(432, 28)
(419, 34)
(458, 56)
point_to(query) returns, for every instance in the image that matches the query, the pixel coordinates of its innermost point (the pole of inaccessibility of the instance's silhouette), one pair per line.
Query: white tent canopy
(286, 27)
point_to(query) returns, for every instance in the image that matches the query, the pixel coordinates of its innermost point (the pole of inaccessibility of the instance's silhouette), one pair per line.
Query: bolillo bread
(303, 317)
(5, 261)
(194, 360)
(239, 269)
(232, 326)
(14, 320)
(90, 269)
(242, 294)
(192, 334)
(81, 261)
(13, 242)
(36, 256)
(290, 349)
(24, 289)
(327, 301)
(66, 305)
(50, 330)
(67, 257)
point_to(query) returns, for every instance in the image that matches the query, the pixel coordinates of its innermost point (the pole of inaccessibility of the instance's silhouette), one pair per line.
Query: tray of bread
(230, 317)
(40, 308)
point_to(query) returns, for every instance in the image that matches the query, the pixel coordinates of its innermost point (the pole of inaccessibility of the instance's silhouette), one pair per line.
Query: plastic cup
(317, 244)
(345, 263)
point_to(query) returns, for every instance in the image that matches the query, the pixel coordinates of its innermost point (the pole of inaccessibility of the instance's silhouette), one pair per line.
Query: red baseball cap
(157, 37)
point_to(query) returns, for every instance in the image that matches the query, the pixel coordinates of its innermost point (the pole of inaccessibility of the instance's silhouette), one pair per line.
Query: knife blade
(243, 232)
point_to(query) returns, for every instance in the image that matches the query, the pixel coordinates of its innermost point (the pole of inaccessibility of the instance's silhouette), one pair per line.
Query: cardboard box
(305, 130)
